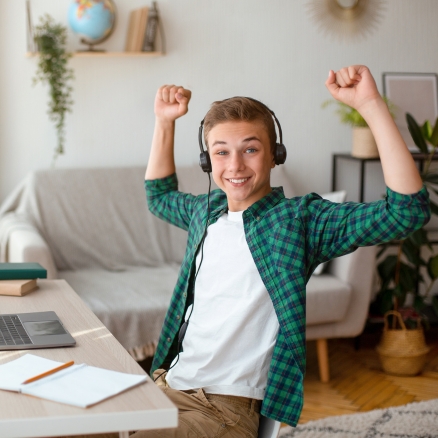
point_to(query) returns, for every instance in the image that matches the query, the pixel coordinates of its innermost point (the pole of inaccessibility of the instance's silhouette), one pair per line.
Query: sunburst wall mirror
(347, 19)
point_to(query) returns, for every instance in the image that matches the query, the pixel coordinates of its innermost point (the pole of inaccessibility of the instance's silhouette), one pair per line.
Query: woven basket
(402, 352)
(364, 145)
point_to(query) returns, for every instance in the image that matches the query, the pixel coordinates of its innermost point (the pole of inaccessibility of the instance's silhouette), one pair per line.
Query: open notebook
(78, 385)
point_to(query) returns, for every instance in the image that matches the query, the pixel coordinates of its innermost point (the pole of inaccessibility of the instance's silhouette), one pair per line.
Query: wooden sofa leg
(323, 360)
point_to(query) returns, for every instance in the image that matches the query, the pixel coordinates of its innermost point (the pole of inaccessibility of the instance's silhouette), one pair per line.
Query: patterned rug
(415, 420)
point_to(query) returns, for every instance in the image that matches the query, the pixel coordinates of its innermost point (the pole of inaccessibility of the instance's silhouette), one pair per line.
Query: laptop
(23, 331)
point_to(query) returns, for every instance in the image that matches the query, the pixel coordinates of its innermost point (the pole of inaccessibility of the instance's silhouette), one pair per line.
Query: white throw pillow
(337, 197)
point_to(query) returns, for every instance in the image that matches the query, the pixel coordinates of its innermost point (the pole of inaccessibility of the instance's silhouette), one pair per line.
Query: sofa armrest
(356, 269)
(27, 245)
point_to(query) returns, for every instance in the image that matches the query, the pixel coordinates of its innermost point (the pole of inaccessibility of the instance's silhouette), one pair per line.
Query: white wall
(270, 50)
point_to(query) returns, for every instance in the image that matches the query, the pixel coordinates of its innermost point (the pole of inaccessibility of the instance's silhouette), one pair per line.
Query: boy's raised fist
(171, 102)
(354, 86)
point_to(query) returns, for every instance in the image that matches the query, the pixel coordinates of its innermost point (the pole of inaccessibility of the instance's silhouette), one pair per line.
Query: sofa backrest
(98, 217)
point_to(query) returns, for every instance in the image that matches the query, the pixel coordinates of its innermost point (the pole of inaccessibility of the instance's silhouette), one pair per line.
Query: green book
(21, 271)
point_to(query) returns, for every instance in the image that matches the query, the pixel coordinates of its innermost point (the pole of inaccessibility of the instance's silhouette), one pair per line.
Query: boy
(249, 254)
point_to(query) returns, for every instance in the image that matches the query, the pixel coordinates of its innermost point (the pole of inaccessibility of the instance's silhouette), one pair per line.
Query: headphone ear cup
(205, 162)
(280, 153)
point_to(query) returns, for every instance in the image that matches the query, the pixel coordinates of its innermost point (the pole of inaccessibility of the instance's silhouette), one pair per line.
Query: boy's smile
(241, 160)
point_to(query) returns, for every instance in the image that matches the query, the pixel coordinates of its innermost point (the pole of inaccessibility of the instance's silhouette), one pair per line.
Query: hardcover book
(136, 29)
(21, 271)
(17, 288)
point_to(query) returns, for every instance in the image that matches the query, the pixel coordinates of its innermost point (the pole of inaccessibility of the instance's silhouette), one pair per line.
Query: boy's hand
(354, 86)
(171, 102)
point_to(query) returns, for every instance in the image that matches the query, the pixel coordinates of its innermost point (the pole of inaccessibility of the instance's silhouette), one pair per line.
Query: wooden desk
(143, 407)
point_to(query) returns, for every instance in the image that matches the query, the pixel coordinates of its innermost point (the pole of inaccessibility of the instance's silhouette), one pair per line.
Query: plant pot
(402, 352)
(364, 145)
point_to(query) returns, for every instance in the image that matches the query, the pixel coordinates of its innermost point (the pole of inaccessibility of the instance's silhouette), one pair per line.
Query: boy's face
(241, 160)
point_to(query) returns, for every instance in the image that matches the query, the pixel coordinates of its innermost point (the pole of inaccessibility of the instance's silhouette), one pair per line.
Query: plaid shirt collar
(256, 210)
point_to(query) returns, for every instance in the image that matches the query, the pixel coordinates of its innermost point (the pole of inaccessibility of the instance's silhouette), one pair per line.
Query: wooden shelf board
(107, 54)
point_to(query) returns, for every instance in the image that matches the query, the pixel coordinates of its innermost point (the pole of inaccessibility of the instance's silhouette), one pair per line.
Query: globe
(92, 20)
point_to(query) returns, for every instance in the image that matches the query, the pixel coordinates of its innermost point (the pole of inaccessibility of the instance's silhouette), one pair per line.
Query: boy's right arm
(171, 102)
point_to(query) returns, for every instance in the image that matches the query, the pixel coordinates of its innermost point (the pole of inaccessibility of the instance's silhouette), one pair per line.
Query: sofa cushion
(327, 299)
(131, 304)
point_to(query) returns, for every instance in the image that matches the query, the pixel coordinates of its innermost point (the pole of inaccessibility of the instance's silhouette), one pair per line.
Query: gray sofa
(92, 228)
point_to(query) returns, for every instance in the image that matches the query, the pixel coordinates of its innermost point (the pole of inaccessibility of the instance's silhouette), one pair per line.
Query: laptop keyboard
(12, 332)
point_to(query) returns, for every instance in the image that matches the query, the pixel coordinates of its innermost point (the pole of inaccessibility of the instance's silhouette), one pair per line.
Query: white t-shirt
(232, 331)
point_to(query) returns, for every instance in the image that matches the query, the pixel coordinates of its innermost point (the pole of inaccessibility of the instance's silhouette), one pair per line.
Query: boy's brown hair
(238, 109)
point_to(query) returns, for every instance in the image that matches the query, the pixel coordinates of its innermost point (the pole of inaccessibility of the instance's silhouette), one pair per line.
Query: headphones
(280, 152)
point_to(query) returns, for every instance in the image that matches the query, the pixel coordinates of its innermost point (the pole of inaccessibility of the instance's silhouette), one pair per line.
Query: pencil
(47, 373)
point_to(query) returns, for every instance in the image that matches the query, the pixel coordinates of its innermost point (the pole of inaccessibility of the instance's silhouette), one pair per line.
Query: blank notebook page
(82, 385)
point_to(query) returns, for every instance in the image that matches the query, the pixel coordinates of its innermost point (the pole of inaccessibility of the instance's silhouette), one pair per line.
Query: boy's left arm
(355, 86)
(337, 229)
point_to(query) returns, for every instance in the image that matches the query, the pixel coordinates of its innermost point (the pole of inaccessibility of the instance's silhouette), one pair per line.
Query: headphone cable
(183, 329)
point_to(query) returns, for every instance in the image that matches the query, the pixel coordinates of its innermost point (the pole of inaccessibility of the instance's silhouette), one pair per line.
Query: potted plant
(52, 69)
(364, 145)
(401, 276)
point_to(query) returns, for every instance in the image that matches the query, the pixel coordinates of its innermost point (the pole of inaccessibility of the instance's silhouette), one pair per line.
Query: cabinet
(418, 157)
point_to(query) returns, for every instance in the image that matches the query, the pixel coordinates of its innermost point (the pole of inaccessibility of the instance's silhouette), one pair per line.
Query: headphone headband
(280, 152)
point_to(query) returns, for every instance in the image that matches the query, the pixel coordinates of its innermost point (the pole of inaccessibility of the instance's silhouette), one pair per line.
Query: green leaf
(400, 293)
(419, 303)
(385, 301)
(408, 277)
(386, 268)
(416, 133)
(434, 135)
(426, 130)
(419, 237)
(435, 304)
(432, 267)
(346, 114)
(412, 253)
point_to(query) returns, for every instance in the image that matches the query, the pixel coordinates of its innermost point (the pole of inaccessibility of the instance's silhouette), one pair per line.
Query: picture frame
(414, 93)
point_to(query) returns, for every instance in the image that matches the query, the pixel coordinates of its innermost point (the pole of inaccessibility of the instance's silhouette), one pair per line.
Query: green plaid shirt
(287, 238)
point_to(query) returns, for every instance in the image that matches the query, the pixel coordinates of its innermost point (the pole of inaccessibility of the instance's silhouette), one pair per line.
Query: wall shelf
(108, 54)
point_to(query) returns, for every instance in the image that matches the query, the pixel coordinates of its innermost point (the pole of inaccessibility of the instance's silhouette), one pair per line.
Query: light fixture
(346, 19)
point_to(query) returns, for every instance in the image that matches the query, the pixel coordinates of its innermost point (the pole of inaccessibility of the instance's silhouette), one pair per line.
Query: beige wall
(270, 50)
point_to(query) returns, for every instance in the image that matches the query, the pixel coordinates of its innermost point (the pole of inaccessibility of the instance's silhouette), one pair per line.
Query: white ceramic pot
(364, 145)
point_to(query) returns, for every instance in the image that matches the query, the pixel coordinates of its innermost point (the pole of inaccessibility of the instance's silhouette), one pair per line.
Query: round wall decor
(346, 19)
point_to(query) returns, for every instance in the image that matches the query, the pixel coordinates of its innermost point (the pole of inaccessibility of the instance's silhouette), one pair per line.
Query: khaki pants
(202, 415)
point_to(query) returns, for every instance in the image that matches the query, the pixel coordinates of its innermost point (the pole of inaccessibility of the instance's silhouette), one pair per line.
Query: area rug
(415, 420)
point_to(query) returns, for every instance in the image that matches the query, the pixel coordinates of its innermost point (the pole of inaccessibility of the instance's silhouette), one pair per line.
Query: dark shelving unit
(418, 157)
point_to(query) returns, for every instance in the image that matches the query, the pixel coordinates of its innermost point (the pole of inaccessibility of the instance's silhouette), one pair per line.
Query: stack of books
(142, 30)
(19, 279)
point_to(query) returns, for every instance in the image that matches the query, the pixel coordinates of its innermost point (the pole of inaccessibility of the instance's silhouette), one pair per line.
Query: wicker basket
(402, 352)
(364, 145)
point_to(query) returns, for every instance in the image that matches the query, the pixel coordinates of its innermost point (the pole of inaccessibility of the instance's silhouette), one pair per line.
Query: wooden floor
(357, 383)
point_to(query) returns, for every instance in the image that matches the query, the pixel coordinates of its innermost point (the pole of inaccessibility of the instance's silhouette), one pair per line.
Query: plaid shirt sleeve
(337, 229)
(167, 203)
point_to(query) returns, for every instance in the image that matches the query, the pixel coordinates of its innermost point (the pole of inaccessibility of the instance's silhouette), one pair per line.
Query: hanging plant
(52, 69)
